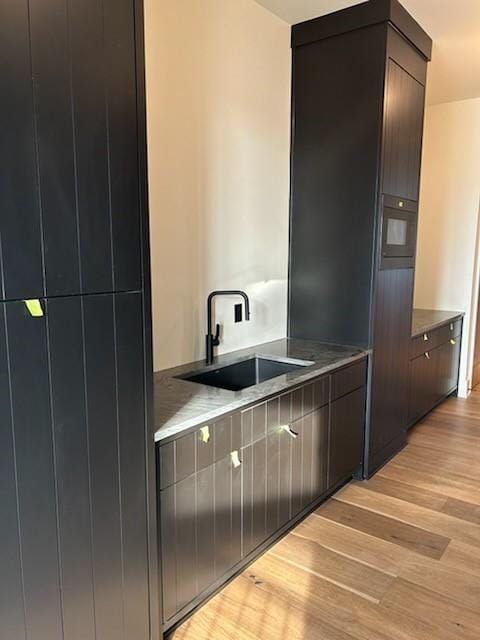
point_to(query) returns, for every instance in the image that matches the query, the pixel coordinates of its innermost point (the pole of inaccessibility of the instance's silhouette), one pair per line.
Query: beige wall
(218, 90)
(447, 272)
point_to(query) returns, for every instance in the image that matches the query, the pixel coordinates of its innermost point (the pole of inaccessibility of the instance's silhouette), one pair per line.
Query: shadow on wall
(218, 80)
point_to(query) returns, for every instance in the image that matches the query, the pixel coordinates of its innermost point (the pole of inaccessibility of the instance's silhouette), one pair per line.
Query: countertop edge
(455, 315)
(164, 435)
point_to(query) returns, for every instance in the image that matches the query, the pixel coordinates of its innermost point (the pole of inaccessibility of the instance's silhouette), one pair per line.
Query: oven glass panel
(397, 232)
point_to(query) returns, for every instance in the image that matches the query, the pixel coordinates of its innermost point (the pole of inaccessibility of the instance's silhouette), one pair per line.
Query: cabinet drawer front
(349, 379)
(266, 418)
(448, 332)
(182, 458)
(422, 344)
(431, 339)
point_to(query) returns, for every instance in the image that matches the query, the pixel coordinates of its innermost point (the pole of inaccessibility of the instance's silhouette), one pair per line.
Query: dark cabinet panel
(105, 490)
(273, 481)
(36, 490)
(422, 385)
(20, 236)
(72, 465)
(69, 184)
(434, 374)
(452, 365)
(393, 317)
(285, 477)
(403, 130)
(336, 141)
(319, 465)
(55, 145)
(347, 431)
(12, 604)
(73, 420)
(205, 510)
(132, 463)
(201, 530)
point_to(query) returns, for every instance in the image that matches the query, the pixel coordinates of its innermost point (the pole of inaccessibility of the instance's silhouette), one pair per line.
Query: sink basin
(244, 374)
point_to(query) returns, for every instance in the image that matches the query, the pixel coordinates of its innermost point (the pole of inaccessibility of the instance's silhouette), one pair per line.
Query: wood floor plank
(463, 510)
(462, 557)
(430, 482)
(464, 588)
(244, 611)
(444, 461)
(427, 606)
(383, 526)
(355, 544)
(408, 493)
(364, 620)
(436, 523)
(339, 569)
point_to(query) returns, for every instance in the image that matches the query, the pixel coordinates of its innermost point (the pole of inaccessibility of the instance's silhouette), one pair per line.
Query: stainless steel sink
(245, 373)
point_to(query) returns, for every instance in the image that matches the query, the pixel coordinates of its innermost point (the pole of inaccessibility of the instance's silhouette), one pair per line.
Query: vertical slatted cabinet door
(419, 384)
(28, 361)
(132, 439)
(319, 452)
(347, 429)
(117, 437)
(69, 183)
(20, 232)
(285, 444)
(71, 437)
(403, 133)
(12, 606)
(103, 93)
(273, 464)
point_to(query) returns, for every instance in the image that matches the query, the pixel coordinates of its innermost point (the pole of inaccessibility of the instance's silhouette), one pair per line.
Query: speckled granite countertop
(181, 405)
(425, 320)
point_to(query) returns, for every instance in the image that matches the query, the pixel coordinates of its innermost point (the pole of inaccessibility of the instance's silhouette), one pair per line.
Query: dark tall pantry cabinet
(75, 329)
(358, 105)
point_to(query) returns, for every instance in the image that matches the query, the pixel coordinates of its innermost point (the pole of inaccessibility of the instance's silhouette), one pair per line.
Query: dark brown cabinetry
(75, 373)
(229, 488)
(358, 104)
(434, 369)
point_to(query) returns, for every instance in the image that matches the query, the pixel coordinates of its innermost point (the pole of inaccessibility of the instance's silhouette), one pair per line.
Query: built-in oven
(399, 233)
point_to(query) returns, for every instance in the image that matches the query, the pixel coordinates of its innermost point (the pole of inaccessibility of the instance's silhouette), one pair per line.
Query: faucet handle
(216, 339)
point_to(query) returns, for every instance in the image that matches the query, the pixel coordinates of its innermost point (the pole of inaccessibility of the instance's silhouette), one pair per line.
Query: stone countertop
(181, 405)
(425, 320)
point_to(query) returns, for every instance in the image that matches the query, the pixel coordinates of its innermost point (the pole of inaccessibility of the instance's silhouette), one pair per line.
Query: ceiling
(454, 26)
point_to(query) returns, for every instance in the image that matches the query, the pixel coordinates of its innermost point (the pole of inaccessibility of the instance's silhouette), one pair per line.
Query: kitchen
(288, 225)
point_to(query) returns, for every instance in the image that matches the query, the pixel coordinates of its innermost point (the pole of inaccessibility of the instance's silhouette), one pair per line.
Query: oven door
(399, 233)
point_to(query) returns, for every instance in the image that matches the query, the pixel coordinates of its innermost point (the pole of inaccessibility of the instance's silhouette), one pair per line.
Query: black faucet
(214, 340)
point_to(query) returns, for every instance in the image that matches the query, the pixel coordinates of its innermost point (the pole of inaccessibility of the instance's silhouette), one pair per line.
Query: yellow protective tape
(35, 308)
(235, 459)
(205, 434)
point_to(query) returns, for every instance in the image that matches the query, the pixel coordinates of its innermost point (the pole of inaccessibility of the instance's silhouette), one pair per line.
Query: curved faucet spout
(214, 340)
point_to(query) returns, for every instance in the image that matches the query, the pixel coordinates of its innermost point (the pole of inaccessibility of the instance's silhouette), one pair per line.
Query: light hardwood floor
(397, 557)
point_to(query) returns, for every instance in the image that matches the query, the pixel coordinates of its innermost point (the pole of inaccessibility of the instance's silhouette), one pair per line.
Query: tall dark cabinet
(76, 511)
(358, 108)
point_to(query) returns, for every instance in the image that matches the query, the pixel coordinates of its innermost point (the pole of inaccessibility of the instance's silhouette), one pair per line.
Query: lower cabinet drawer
(432, 339)
(348, 379)
(347, 434)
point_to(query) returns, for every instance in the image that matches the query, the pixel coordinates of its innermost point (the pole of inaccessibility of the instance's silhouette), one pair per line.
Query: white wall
(218, 93)
(447, 273)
